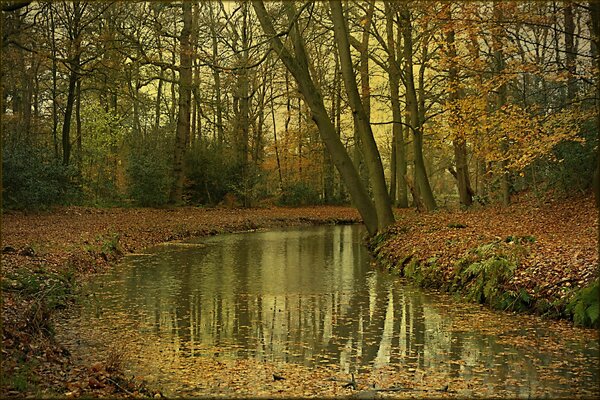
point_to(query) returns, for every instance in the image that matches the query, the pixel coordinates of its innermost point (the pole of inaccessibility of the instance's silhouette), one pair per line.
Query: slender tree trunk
(422, 181)
(243, 115)
(159, 90)
(595, 14)
(161, 76)
(288, 119)
(329, 172)
(66, 130)
(298, 66)
(500, 101)
(275, 142)
(78, 125)
(54, 84)
(385, 215)
(185, 94)
(365, 91)
(218, 107)
(398, 165)
(27, 90)
(570, 50)
(458, 142)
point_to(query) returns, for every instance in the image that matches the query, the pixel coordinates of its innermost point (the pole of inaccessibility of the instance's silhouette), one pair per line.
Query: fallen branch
(119, 386)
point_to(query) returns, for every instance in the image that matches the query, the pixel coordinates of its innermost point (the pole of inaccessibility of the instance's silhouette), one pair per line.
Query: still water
(312, 296)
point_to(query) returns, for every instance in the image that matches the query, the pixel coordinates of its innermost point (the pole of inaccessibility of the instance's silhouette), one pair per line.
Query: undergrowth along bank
(484, 274)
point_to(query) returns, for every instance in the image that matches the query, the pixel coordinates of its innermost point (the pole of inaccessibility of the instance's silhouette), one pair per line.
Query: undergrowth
(584, 306)
(483, 275)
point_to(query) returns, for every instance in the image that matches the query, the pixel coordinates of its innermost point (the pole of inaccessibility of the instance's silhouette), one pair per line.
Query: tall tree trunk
(244, 114)
(570, 50)
(385, 215)
(458, 142)
(275, 142)
(298, 67)
(74, 64)
(185, 98)
(218, 107)
(161, 74)
(422, 181)
(595, 14)
(66, 129)
(365, 90)
(501, 98)
(78, 125)
(398, 166)
(54, 83)
(329, 172)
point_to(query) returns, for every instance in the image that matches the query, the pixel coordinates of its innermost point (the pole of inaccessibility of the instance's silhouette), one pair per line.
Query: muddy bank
(532, 257)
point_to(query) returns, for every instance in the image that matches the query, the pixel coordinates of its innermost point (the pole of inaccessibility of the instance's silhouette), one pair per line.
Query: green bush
(299, 194)
(211, 174)
(149, 176)
(31, 180)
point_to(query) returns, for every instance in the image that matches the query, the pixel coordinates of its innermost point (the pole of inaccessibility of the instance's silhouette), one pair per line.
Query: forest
(203, 103)
(463, 135)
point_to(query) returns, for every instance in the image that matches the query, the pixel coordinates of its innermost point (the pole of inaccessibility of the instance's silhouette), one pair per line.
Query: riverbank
(532, 257)
(529, 256)
(46, 256)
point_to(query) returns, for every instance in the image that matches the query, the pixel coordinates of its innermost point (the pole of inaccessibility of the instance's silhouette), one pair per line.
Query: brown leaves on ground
(560, 240)
(81, 235)
(85, 240)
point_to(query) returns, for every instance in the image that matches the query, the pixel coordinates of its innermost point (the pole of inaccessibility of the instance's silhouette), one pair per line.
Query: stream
(312, 297)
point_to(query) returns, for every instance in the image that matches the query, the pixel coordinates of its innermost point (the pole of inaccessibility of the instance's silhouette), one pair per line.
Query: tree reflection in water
(308, 296)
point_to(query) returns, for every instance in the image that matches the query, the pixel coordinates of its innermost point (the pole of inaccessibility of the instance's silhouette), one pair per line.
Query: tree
(414, 112)
(297, 64)
(185, 98)
(398, 164)
(385, 216)
(459, 142)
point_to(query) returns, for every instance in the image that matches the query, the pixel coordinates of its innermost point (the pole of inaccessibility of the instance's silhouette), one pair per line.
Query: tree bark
(459, 143)
(385, 215)
(185, 97)
(501, 97)
(398, 166)
(218, 107)
(595, 14)
(570, 50)
(297, 64)
(422, 181)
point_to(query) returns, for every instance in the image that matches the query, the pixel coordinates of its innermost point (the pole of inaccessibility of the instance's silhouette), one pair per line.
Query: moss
(482, 275)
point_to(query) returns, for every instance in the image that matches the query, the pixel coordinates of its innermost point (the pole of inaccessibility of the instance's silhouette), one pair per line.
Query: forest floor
(554, 245)
(45, 256)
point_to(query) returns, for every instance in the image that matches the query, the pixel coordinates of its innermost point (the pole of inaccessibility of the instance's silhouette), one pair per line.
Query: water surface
(312, 296)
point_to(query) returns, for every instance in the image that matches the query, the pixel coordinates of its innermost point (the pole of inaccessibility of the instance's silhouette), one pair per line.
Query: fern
(585, 306)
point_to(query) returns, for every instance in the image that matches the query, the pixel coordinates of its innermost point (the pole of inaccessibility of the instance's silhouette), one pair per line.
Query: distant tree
(185, 94)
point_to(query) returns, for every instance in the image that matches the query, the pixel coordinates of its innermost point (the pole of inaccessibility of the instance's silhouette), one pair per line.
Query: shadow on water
(311, 296)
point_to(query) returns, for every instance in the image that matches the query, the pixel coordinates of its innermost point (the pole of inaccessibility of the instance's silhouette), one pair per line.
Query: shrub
(149, 176)
(212, 173)
(299, 194)
(31, 180)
